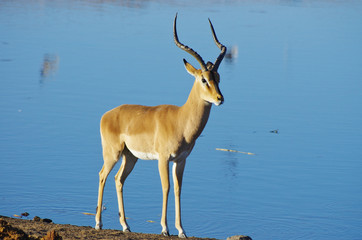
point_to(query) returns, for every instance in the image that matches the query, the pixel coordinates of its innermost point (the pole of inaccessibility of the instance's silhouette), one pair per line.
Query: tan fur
(165, 132)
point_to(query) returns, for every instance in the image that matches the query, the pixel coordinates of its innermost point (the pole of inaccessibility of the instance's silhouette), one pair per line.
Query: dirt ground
(22, 229)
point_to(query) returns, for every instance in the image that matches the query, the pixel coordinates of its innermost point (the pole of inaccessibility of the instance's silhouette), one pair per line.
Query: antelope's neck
(195, 114)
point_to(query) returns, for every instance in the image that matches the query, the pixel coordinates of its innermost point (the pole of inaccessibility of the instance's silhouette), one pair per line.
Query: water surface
(298, 71)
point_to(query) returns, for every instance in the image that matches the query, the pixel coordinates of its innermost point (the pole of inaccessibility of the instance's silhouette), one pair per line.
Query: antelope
(166, 133)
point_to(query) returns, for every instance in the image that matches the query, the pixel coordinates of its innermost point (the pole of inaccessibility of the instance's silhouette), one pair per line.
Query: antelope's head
(207, 77)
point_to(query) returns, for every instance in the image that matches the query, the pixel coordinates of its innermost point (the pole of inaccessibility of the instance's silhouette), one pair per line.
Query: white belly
(154, 156)
(144, 155)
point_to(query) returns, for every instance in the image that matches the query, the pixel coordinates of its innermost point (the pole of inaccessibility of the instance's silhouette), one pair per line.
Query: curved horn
(188, 49)
(220, 46)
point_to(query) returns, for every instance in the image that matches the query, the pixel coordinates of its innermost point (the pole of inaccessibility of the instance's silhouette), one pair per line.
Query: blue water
(298, 70)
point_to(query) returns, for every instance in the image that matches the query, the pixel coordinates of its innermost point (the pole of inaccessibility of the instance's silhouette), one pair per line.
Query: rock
(47, 220)
(38, 219)
(52, 235)
(9, 232)
(239, 237)
(25, 214)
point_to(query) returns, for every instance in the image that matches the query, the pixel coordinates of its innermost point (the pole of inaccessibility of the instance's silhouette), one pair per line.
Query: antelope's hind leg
(127, 166)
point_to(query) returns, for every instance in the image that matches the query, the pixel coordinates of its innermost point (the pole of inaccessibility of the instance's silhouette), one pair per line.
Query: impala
(166, 133)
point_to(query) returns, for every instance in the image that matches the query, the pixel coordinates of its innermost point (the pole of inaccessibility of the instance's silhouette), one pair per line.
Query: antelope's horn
(188, 49)
(220, 46)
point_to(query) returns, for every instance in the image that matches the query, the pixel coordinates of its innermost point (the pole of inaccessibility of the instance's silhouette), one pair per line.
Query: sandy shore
(16, 228)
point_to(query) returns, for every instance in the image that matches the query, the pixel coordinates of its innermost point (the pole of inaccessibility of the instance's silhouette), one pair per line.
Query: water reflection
(49, 67)
(231, 162)
(232, 53)
(123, 3)
(2, 59)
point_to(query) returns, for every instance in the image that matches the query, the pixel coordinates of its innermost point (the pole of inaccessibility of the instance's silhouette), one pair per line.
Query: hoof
(98, 226)
(165, 233)
(182, 235)
(127, 230)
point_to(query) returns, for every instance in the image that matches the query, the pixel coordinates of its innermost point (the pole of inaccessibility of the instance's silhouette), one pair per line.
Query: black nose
(220, 98)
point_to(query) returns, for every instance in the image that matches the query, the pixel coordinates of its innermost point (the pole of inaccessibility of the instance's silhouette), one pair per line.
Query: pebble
(38, 219)
(239, 237)
(47, 220)
(25, 214)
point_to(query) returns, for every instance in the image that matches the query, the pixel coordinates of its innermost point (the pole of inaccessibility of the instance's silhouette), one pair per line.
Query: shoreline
(17, 228)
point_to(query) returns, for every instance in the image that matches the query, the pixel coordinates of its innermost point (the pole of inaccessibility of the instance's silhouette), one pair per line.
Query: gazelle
(165, 133)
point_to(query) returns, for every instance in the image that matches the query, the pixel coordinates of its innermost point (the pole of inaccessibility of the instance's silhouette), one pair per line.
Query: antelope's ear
(190, 69)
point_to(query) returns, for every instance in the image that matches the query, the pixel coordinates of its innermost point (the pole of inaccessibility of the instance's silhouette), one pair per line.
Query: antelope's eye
(204, 80)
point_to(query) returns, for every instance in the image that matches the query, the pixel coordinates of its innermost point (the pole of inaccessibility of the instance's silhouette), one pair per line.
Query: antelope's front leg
(177, 173)
(165, 182)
